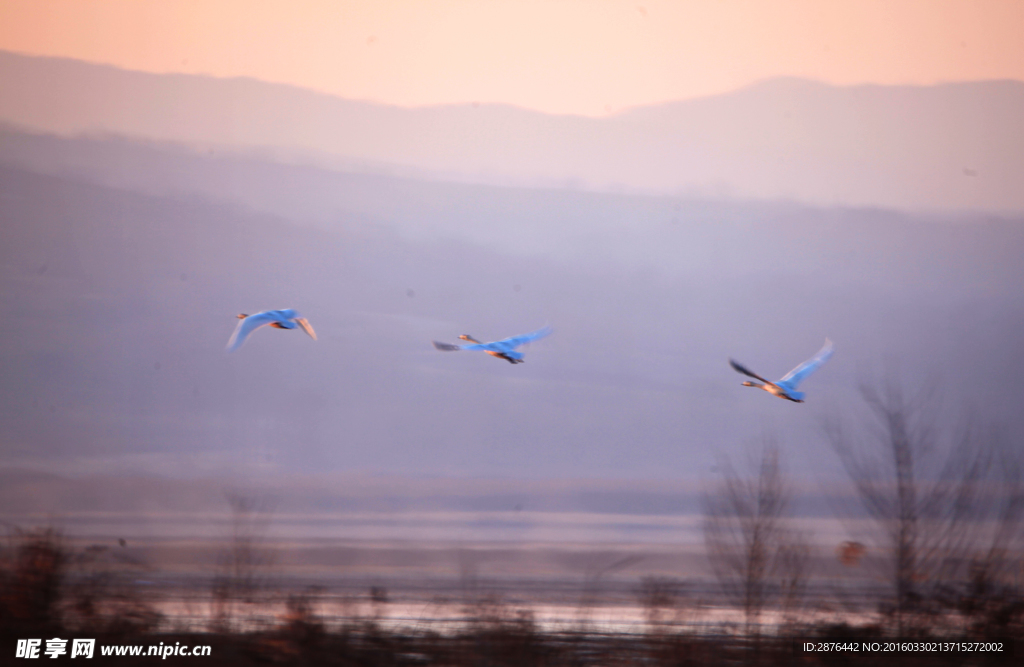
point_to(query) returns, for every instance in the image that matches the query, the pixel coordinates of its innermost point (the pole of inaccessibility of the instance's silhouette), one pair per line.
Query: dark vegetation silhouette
(51, 588)
(33, 579)
(946, 504)
(242, 566)
(662, 599)
(597, 568)
(758, 558)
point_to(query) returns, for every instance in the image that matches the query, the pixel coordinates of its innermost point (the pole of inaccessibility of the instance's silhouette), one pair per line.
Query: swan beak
(306, 326)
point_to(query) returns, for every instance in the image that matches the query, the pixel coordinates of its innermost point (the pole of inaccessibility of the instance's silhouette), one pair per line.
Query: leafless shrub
(753, 553)
(301, 619)
(242, 566)
(473, 597)
(48, 584)
(793, 562)
(944, 512)
(102, 594)
(33, 584)
(501, 634)
(301, 637)
(598, 567)
(661, 598)
(988, 596)
(495, 632)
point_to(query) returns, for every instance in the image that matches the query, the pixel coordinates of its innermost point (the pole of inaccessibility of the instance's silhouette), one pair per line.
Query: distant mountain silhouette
(953, 146)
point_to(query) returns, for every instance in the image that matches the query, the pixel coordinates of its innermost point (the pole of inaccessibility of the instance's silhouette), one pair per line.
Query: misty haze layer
(948, 147)
(125, 258)
(125, 301)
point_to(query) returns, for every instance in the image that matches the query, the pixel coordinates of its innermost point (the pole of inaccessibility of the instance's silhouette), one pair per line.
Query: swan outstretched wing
(798, 374)
(247, 326)
(740, 369)
(448, 347)
(306, 326)
(505, 346)
(516, 341)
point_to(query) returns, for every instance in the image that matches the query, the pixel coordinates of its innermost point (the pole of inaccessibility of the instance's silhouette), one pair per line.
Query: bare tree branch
(746, 539)
(929, 489)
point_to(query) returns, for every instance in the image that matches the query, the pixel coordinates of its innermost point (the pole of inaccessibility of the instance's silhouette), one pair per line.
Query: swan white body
(280, 319)
(786, 387)
(503, 349)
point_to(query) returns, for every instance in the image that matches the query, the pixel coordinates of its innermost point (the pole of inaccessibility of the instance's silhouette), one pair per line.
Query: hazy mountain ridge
(947, 147)
(669, 234)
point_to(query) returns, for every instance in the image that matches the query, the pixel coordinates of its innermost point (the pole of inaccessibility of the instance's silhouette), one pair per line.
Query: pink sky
(559, 56)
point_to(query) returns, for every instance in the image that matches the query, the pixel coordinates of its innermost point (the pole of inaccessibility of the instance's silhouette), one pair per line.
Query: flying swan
(503, 349)
(280, 319)
(786, 387)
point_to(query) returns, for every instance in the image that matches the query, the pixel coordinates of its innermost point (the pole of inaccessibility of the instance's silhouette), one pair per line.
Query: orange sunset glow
(590, 58)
